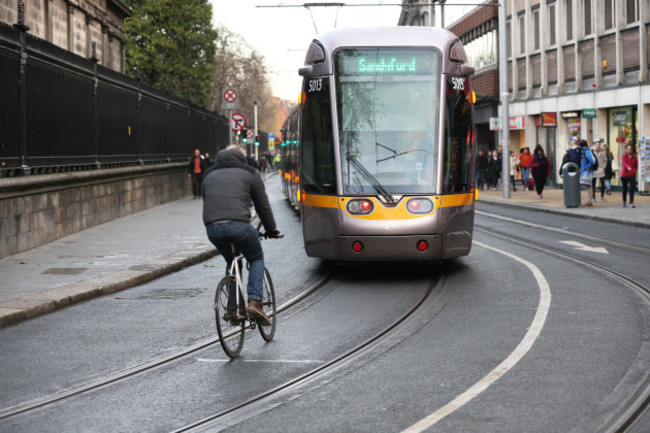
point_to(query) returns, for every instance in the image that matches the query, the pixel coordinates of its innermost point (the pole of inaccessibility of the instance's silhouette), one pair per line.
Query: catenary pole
(503, 89)
(255, 143)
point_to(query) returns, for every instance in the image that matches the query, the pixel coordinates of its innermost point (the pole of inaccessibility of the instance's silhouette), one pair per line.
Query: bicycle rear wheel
(268, 305)
(231, 336)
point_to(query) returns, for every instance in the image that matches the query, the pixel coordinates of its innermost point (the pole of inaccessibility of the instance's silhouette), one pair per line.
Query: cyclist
(228, 188)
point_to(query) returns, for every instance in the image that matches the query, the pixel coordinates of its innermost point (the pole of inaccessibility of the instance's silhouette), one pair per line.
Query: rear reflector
(357, 246)
(423, 245)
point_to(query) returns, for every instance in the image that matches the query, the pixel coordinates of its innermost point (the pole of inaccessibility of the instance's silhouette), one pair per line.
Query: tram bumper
(389, 248)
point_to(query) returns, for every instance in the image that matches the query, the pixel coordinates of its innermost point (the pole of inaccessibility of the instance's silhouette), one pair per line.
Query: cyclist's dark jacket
(228, 188)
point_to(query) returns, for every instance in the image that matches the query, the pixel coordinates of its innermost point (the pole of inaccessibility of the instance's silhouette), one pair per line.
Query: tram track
(128, 372)
(628, 406)
(278, 395)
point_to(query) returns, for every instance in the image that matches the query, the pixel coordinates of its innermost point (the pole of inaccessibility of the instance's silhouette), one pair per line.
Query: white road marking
(582, 247)
(520, 351)
(281, 361)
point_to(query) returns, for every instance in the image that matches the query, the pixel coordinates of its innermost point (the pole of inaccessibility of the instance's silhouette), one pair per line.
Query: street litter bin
(571, 184)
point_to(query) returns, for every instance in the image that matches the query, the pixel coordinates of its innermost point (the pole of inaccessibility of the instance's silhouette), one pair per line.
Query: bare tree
(238, 65)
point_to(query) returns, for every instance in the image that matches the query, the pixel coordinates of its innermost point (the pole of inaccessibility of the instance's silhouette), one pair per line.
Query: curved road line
(520, 351)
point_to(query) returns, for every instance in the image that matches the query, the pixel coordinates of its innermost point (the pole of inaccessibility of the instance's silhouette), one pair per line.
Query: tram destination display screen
(405, 61)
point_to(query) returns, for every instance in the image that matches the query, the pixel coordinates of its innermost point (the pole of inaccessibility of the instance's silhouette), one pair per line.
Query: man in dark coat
(228, 188)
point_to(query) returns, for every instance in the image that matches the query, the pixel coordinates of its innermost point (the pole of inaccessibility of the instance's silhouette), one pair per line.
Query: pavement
(144, 246)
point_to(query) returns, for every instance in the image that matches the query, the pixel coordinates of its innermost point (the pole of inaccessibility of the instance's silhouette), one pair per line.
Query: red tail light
(419, 205)
(360, 207)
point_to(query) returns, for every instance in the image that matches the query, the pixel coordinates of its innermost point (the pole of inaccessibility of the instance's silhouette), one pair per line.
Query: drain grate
(64, 271)
(172, 294)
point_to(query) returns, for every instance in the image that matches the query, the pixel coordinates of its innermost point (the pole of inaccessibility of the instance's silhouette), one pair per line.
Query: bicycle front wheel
(231, 333)
(269, 307)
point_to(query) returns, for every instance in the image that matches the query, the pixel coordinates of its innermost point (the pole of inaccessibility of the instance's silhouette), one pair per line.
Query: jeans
(628, 182)
(480, 177)
(525, 172)
(247, 242)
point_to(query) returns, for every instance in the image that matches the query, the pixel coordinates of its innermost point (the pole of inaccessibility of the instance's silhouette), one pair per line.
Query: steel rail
(141, 368)
(327, 368)
(636, 404)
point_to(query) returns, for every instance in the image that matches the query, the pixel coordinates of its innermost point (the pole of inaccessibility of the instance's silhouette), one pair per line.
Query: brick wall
(631, 51)
(536, 65)
(551, 64)
(474, 19)
(486, 83)
(569, 62)
(587, 57)
(608, 47)
(39, 209)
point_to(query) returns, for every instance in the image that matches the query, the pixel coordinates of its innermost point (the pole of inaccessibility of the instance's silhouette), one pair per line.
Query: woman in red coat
(629, 165)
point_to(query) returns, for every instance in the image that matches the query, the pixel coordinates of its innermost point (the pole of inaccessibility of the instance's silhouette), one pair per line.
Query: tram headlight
(360, 207)
(419, 205)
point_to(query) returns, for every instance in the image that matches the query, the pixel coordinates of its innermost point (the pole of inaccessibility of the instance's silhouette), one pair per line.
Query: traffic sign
(495, 123)
(230, 95)
(250, 133)
(237, 122)
(230, 98)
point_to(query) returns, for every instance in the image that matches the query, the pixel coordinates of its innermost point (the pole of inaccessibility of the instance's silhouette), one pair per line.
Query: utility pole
(503, 89)
(256, 144)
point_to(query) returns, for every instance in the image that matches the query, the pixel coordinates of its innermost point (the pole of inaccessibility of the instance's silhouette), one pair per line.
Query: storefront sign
(549, 120)
(570, 114)
(573, 125)
(517, 122)
(620, 118)
(495, 124)
(589, 113)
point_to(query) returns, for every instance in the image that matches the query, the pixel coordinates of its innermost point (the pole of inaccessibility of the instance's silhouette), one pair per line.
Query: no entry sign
(237, 122)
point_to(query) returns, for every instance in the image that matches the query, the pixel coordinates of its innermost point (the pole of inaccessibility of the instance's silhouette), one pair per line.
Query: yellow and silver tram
(379, 153)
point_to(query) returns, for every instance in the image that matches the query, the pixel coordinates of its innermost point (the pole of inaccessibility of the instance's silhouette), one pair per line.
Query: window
(568, 10)
(317, 145)
(509, 38)
(589, 16)
(610, 14)
(522, 34)
(458, 140)
(536, 29)
(388, 103)
(632, 11)
(551, 24)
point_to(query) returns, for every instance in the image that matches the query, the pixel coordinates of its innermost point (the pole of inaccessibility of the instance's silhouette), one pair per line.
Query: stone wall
(74, 26)
(39, 209)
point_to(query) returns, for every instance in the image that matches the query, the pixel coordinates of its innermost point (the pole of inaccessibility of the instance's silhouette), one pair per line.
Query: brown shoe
(255, 310)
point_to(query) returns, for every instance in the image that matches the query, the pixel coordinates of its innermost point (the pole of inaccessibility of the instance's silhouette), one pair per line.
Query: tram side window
(316, 144)
(459, 136)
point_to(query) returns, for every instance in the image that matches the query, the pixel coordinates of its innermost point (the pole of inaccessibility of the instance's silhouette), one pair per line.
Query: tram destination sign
(387, 62)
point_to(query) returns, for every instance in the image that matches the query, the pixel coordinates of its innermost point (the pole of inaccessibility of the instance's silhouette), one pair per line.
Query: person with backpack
(598, 169)
(572, 154)
(541, 168)
(586, 174)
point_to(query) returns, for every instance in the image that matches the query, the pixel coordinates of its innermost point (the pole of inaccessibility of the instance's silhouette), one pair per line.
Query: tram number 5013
(315, 85)
(458, 83)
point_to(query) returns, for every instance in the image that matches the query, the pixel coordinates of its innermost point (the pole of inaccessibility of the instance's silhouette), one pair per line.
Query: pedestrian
(276, 161)
(629, 166)
(481, 168)
(513, 170)
(572, 154)
(541, 168)
(610, 170)
(598, 170)
(586, 164)
(525, 159)
(208, 161)
(230, 186)
(195, 171)
(493, 169)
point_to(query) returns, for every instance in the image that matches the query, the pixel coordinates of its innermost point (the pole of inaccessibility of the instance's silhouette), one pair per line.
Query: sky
(283, 35)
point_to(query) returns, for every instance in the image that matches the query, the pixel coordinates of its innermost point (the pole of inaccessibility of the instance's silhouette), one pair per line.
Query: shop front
(621, 130)
(545, 133)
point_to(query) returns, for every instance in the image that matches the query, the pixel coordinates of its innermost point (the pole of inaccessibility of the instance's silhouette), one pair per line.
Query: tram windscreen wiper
(395, 154)
(369, 177)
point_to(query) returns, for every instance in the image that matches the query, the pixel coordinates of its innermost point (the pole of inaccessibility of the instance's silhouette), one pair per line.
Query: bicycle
(231, 295)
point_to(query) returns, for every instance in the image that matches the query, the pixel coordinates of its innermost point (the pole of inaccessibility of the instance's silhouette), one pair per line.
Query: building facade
(75, 24)
(578, 68)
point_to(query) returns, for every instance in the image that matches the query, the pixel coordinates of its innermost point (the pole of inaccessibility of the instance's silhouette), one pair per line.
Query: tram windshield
(388, 105)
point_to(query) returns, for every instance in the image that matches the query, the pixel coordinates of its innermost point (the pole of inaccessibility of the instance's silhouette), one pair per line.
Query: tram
(379, 152)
